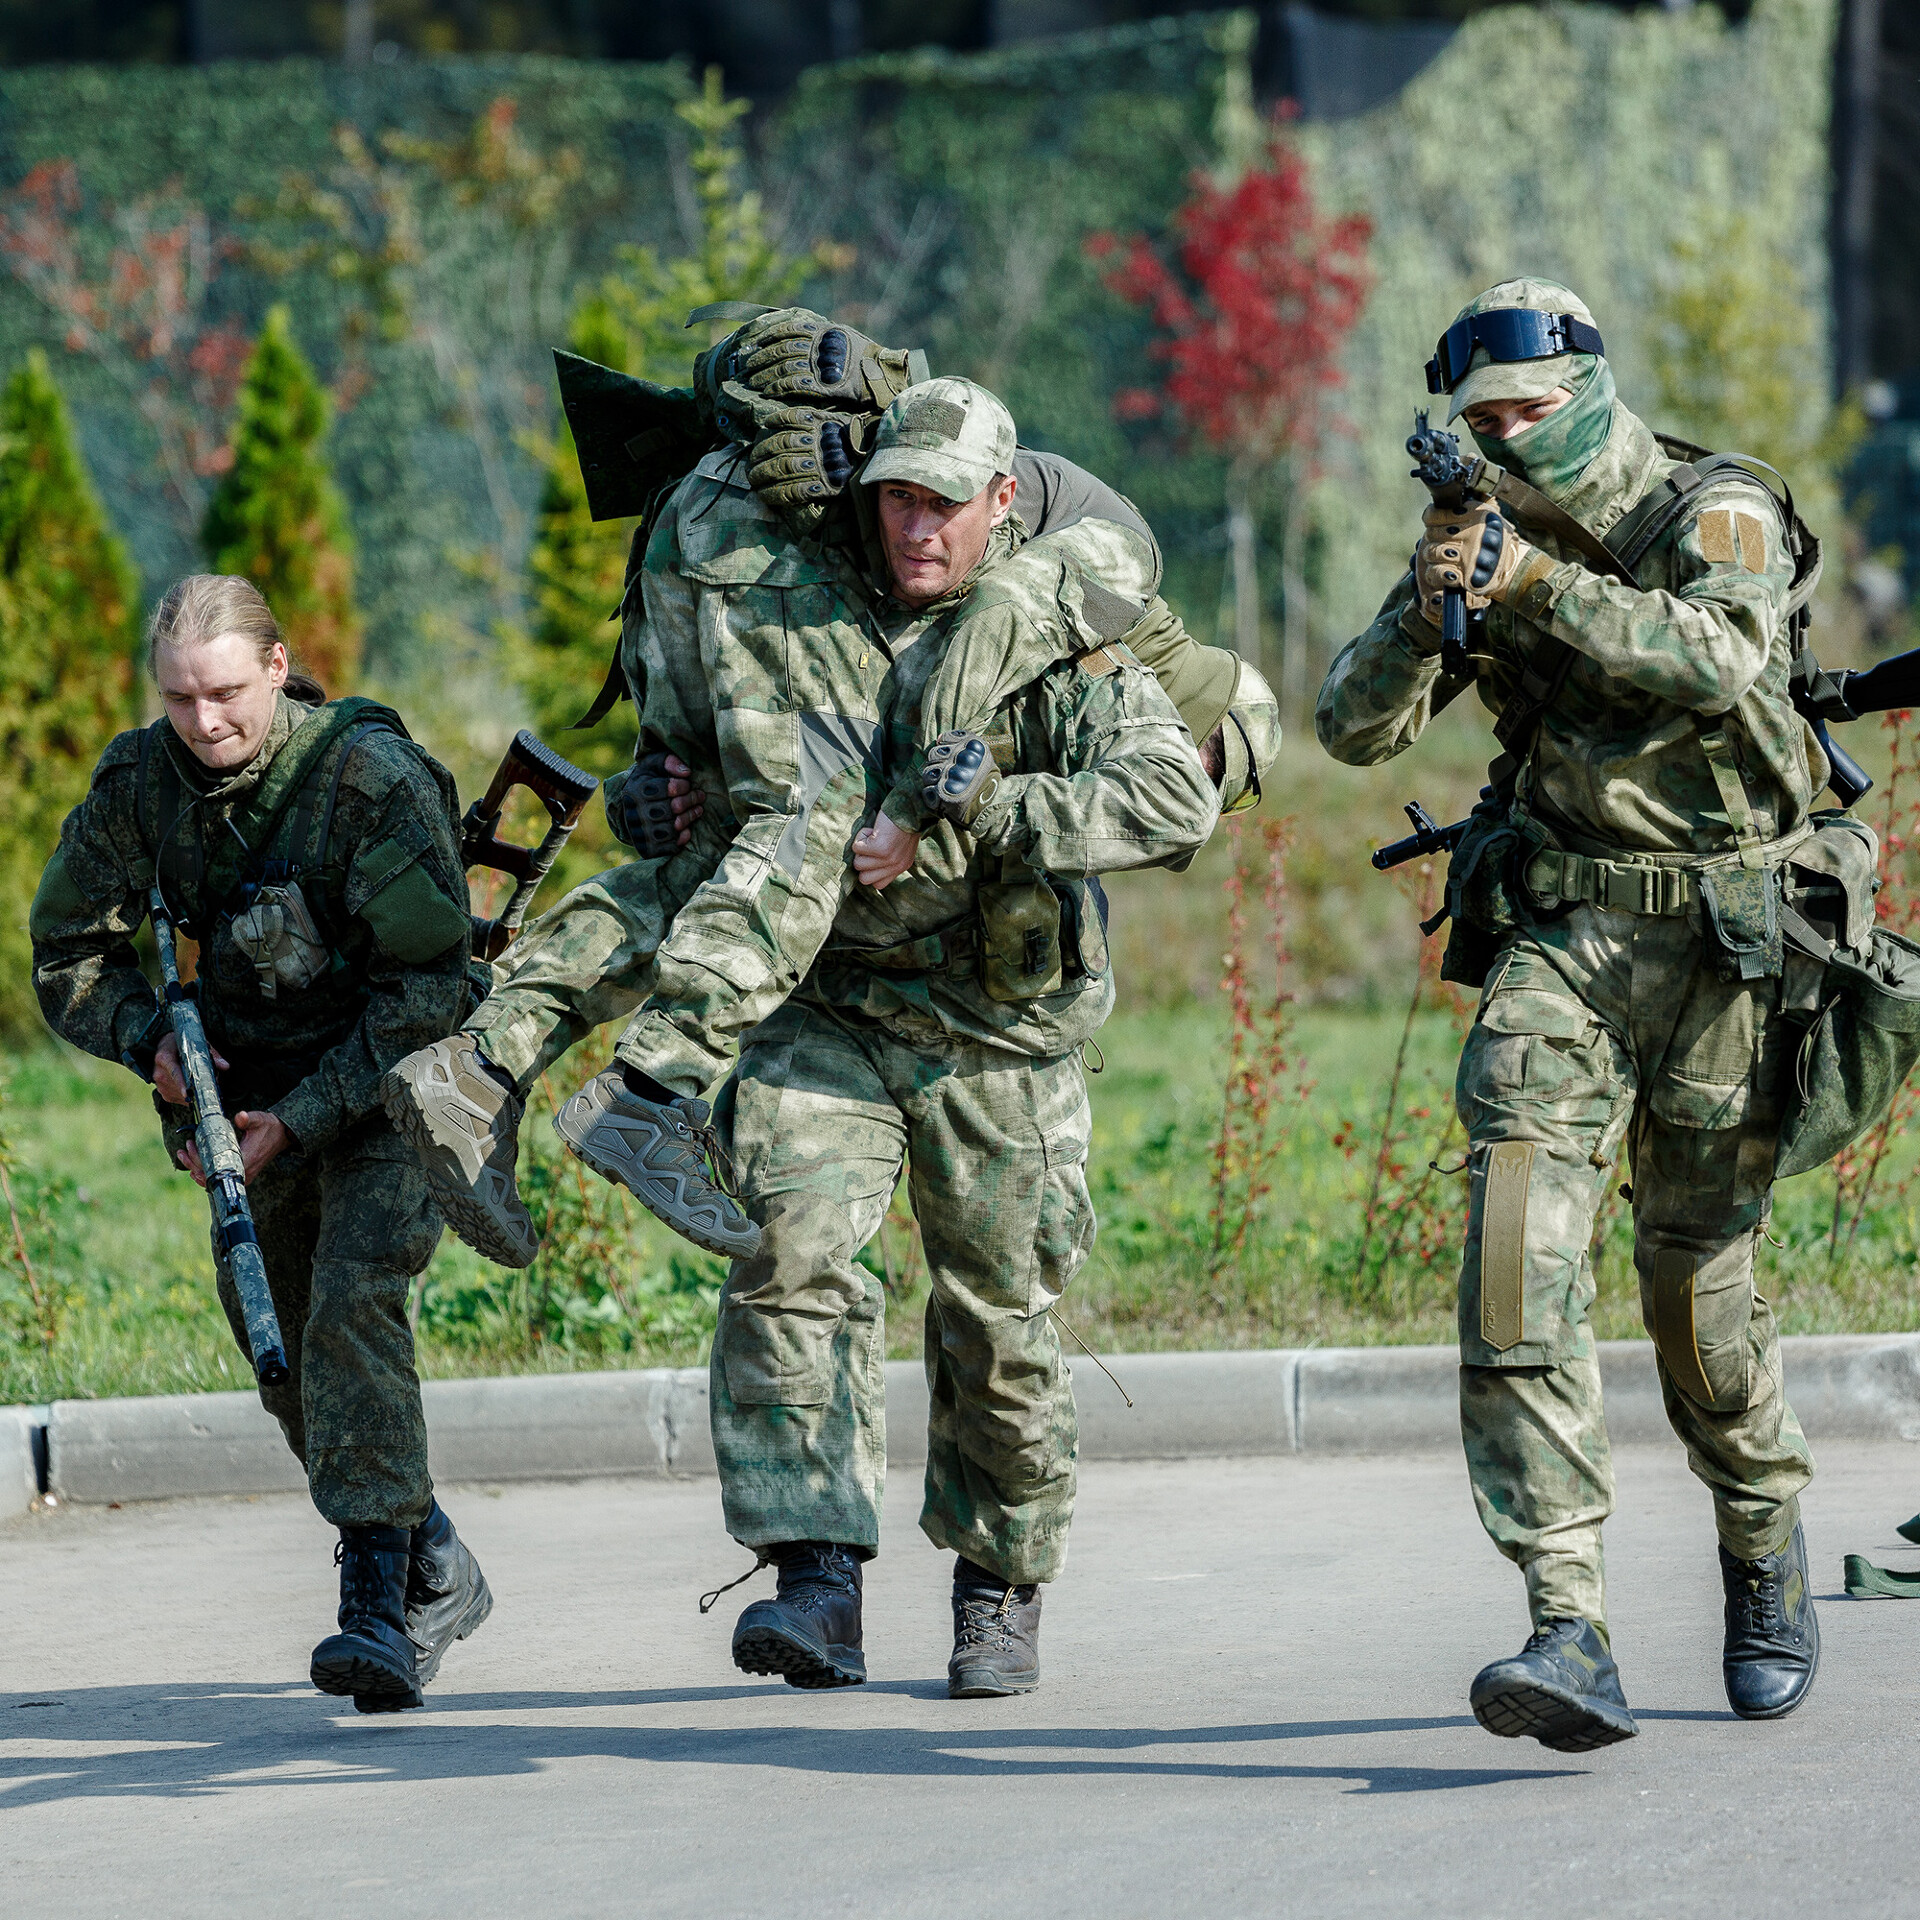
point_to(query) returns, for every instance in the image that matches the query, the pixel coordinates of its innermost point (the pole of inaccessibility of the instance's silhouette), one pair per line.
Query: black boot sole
(762, 1650)
(982, 1683)
(1562, 1721)
(478, 1607)
(375, 1685)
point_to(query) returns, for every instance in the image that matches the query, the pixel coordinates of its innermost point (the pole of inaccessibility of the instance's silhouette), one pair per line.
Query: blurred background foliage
(475, 184)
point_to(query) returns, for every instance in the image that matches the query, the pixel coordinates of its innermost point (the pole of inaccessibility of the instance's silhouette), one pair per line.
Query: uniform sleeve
(1384, 687)
(90, 903)
(1067, 592)
(1130, 790)
(1703, 644)
(800, 756)
(406, 889)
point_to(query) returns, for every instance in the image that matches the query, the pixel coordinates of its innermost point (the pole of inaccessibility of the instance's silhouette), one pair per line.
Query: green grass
(120, 1244)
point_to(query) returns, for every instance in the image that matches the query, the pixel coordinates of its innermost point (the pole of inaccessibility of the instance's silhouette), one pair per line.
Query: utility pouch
(1020, 940)
(1742, 928)
(278, 934)
(1857, 1050)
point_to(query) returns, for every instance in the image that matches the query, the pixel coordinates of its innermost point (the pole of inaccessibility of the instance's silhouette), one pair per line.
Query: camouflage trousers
(1599, 1030)
(343, 1234)
(820, 1116)
(588, 960)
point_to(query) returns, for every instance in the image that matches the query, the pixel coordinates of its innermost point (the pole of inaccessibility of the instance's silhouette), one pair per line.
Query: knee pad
(1699, 1309)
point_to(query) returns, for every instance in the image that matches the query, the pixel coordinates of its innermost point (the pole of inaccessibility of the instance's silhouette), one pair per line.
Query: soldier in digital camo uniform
(1616, 897)
(310, 850)
(939, 1028)
(749, 647)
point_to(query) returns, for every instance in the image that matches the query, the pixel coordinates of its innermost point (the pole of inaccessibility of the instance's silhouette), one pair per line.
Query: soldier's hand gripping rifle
(236, 1244)
(563, 789)
(1453, 482)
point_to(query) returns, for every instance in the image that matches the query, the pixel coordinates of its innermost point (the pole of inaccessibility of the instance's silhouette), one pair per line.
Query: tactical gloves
(640, 809)
(792, 356)
(802, 392)
(1475, 549)
(802, 457)
(959, 778)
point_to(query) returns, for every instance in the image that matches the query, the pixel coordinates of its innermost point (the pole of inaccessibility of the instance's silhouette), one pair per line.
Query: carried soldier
(309, 848)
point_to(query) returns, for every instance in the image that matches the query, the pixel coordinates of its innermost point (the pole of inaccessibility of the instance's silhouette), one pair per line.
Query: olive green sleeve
(1384, 687)
(91, 901)
(405, 887)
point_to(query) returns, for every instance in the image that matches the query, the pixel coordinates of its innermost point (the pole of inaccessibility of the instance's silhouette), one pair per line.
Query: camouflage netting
(1574, 141)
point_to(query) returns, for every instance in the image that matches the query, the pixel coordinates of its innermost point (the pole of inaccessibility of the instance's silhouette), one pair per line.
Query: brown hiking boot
(663, 1154)
(461, 1116)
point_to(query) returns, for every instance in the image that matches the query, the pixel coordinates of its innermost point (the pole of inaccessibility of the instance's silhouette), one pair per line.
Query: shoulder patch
(1099, 663)
(1750, 534)
(1716, 537)
(1109, 614)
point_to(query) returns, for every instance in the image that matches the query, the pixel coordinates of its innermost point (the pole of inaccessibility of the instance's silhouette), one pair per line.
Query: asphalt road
(1254, 1704)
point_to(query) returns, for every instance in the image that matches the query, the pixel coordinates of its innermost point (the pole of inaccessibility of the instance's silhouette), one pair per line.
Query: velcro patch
(1716, 537)
(1100, 662)
(1503, 1244)
(934, 415)
(1752, 534)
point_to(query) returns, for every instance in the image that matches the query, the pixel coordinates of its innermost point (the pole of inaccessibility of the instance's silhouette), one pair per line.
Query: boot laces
(362, 1585)
(706, 1141)
(985, 1622)
(1759, 1601)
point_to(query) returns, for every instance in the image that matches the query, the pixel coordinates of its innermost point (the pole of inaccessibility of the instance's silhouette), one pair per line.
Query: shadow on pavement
(186, 1741)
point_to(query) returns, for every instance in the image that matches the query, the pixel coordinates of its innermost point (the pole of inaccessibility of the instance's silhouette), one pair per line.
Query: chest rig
(214, 862)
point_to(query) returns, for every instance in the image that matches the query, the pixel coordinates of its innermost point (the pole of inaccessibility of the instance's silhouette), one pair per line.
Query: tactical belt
(1570, 879)
(1554, 877)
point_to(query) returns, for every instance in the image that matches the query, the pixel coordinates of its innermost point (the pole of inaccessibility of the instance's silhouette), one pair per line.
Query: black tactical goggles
(1507, 333)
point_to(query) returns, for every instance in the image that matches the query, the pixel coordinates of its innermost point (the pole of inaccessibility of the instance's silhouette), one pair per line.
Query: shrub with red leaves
(1265, 292)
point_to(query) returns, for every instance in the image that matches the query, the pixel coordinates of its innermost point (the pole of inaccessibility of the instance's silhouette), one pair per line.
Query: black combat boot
(1561, 1687)
(996, 1635)
(447, 1594)
(810, 1630)
(371, 1656)
(1773, 1638)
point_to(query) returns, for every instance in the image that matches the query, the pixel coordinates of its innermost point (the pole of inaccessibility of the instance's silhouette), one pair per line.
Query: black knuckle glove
(959, 778)
(804, 457)
(641, 813)
(795, 356)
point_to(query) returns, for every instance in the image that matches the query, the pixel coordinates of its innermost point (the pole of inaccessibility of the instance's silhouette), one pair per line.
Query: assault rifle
(236, 1244)
(1438, 466)
(563, 789)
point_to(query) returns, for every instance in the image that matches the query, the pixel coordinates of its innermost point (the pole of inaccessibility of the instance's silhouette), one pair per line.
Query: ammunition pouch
(1486, 895)
(1739, 922)
(279, 935)
(1020, 956)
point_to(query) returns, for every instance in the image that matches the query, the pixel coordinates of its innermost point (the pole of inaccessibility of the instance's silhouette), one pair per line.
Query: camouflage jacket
(359, 818)
(999, 933)
(762, 661)
(1617, 760)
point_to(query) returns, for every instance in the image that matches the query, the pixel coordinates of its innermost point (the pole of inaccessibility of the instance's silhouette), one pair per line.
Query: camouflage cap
(1490, 379)
(1251, 736)
(947, 434)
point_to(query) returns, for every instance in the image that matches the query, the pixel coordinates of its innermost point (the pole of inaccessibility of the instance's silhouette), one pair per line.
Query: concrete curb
(1186, 1405)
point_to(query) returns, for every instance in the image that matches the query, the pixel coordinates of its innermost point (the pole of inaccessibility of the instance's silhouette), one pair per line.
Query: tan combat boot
(462, 1117)
(662, 1154)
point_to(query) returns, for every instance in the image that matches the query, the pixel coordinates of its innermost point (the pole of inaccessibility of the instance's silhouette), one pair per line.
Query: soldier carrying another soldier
(309, 848)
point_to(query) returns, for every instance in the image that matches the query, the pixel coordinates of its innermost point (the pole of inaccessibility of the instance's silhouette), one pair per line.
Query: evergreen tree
(275, 516)
(68, 602)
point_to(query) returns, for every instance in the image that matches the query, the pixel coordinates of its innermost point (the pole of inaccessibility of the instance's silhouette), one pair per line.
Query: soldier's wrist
(993, 825)
(1528, 590)
(1419, 632)
(904, 806)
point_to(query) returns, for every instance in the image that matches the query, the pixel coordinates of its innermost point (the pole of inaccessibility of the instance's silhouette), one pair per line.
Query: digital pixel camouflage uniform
(754, 656)
(1606, 1022)
(363, 821)
(940, 1027)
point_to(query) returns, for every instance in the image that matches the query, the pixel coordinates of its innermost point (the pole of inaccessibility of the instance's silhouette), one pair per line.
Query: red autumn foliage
(1266, 291)
(141, 312)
